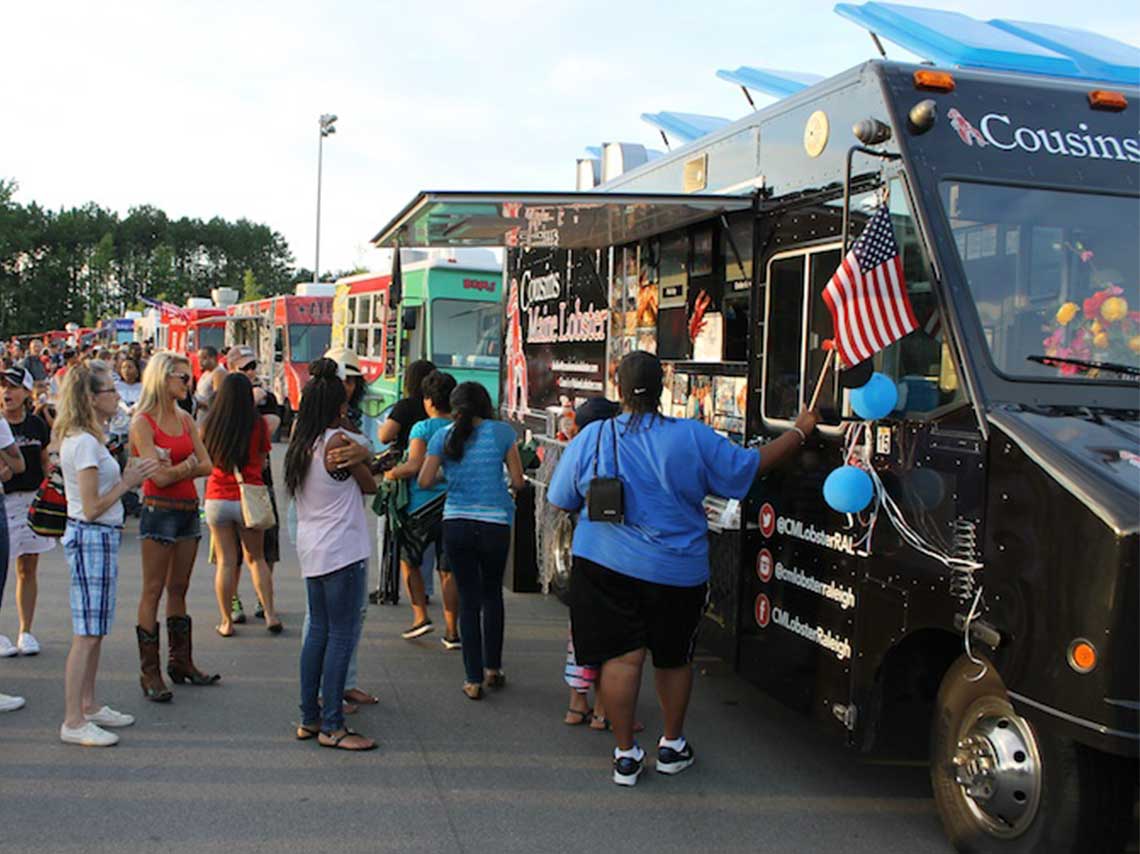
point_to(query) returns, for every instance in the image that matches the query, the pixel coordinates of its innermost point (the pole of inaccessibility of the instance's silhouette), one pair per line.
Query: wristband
(803, 435)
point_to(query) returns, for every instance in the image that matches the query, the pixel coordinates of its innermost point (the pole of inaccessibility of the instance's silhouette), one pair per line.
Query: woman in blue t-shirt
(423, 526)
(477, 519)
(641, 584)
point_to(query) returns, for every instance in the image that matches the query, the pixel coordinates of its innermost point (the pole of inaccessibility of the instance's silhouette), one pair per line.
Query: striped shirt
(477, 484)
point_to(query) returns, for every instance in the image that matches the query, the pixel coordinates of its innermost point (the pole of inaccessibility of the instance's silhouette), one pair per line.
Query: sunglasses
(184, 377)
(252, 366)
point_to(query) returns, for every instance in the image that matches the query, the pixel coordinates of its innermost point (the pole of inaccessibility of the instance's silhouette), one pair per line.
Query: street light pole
(327, 126)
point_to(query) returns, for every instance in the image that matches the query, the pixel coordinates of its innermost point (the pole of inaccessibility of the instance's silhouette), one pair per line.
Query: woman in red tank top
(168, 524)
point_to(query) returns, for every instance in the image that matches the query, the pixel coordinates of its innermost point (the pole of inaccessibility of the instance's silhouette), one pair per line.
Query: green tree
(251, 290)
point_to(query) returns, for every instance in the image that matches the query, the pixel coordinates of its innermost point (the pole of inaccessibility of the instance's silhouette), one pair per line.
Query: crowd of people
(635, 478)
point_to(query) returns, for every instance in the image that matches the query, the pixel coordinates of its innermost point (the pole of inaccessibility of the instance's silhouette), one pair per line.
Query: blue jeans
(334, 609)
(350, 677)
(477, 552)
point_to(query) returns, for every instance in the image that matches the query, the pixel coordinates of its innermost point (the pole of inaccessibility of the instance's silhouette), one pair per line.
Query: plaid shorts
(92, 553)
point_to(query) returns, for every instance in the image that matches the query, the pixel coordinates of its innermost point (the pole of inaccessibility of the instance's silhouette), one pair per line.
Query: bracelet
(803, 435)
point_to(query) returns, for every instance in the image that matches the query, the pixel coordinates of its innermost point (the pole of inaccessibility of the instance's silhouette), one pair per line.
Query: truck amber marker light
(1082, 656)
(1103, 99)
(934, 81)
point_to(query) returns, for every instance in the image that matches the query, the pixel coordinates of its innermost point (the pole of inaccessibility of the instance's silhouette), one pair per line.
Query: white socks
(677, 744)
(634, 752)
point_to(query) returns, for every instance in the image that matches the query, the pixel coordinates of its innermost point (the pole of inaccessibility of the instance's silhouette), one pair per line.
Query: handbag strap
(238, 477)
(598, 446)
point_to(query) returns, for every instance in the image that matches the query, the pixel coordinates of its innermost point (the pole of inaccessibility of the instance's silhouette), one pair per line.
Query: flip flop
(275, 628)
(305, 733)
(218, 629)
(336, 741)
(363, 698)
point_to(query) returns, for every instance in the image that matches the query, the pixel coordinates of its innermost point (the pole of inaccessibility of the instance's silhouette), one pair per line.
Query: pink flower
(1086, 255)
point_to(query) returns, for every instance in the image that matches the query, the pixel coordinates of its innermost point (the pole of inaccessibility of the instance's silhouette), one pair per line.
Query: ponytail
(469, 401)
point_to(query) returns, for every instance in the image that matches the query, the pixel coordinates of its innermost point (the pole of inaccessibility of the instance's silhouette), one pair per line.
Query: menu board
(557, 320)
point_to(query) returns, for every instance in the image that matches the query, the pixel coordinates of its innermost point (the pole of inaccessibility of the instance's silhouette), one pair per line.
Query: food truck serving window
(308, 341)
(798, 323)
(1051, 274)
(465, 334)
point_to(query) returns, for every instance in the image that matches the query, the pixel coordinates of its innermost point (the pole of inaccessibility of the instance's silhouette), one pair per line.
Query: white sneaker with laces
(27, 644)
(108, 717)
(7, 649)
(88, 735)
(8, 703)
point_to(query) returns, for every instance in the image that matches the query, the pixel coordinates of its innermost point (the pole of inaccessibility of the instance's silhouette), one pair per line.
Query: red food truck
(286, 333)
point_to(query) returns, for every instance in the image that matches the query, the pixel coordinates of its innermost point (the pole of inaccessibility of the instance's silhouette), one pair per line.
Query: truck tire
(1003, 785)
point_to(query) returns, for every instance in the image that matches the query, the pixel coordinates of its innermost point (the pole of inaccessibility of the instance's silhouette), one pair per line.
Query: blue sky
(211, 107)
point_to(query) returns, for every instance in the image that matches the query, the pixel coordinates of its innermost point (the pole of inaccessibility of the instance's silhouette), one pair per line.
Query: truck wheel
(1003, 785)
(556, 538)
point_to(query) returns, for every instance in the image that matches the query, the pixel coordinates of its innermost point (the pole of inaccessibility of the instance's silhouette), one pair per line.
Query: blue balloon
(848, 489)
(877, 399)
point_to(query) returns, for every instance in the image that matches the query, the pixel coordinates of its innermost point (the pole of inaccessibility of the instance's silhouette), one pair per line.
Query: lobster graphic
(966, 131)
(516, 359)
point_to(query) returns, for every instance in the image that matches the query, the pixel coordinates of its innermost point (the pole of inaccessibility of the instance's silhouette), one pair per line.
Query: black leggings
(477, 555)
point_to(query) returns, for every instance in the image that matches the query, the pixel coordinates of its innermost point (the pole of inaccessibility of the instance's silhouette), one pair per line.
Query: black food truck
(989, 596)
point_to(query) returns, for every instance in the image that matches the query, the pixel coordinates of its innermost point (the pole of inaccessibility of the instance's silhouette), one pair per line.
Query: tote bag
(256, 508)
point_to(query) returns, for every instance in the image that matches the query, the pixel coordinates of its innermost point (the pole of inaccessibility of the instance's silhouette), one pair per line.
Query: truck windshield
(212, 336)
(308, 341)
(1051, 274)
(465, 334)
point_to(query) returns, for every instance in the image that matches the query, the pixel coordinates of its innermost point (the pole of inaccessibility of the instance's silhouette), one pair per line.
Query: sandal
(363, 698)
(606, 726)
(218, 629)
(583, 717)
(275, 628)
(333, 740)
(304, 733)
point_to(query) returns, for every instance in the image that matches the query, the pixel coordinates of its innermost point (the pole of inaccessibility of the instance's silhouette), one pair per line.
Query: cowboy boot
(150, 679)
(180, 666)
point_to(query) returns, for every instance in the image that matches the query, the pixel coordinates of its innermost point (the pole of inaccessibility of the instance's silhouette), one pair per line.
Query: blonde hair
(161, 365)
(75, 411)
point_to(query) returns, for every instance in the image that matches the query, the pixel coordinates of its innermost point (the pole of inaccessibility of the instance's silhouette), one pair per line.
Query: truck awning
(564, 220)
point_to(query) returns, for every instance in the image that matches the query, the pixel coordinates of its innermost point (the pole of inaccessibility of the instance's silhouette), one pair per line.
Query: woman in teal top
(424, 525)
(477, 524)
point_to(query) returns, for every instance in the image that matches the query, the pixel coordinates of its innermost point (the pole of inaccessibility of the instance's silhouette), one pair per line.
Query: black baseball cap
(595, 409)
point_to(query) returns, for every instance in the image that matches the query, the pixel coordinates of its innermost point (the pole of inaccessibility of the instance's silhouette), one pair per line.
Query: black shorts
(612, 614)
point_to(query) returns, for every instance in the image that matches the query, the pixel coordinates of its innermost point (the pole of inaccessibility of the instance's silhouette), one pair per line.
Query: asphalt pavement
(218, 770)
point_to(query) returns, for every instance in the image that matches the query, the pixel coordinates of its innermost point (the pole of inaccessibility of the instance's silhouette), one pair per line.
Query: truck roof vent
(589, 173)
(620, 157)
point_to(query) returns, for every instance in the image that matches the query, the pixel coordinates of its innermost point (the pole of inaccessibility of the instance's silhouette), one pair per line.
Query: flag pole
(823, 373)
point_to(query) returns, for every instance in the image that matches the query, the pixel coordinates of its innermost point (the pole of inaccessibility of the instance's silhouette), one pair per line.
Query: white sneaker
(8, 703)
(108, 717)
(27, 644)
(7, 650)
(88, 735)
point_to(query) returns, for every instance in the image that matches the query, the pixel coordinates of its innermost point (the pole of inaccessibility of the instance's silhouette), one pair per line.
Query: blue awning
(951, 38)
(770, 81)
(684, 126)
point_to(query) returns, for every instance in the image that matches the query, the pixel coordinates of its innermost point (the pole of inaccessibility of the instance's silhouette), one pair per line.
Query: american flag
(867, 295)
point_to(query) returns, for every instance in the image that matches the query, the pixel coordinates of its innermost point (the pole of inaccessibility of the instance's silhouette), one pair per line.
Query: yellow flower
(1114, 309)
(1101, 341)
(1134, 343)
(1097, 328)
(1066, 313)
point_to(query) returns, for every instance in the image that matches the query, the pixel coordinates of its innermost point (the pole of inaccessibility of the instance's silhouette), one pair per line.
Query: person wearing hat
(639, 583)
(32, 437)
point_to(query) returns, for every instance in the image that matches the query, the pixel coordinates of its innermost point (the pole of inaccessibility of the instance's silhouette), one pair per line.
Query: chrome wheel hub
(998, 767)
(563, 541)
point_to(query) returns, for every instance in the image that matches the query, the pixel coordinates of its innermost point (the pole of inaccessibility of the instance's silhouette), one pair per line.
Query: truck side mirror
(409, 318)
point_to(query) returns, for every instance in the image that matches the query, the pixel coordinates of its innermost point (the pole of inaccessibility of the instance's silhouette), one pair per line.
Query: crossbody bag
(605, 496)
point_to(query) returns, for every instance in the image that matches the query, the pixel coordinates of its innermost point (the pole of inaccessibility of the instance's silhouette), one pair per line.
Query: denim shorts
(169, 526)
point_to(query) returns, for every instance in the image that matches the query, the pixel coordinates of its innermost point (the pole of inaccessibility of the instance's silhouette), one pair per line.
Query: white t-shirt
(6, 439)
(204, 392)
(83, 451)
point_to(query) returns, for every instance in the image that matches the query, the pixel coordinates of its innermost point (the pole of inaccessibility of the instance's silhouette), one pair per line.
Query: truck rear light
(1103, 99)
(934, 81)
(1082, 656)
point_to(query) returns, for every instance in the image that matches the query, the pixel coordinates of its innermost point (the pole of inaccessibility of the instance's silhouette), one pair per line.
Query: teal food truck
(450, 312)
